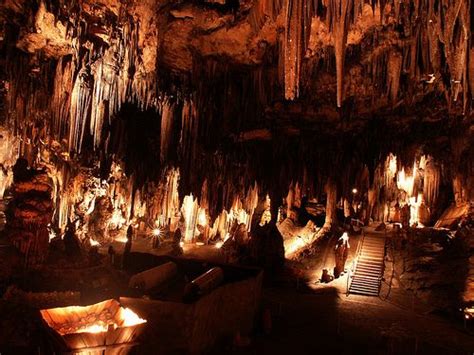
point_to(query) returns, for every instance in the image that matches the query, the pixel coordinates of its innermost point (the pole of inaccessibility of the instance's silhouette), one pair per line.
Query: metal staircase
(367, 270)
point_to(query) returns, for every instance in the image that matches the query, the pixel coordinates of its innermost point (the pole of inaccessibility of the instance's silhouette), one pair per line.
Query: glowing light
(296, 245)
(415, 203)
(88, 319)
(189, 210)
(156, 232)
(121, 239)
(130, 318)
(117, 220)
(266, 217)
(95, 328)
(354, 190)
(93, 242)
(345, 237)
(406, 182)
(52, 235)
(220, 243)
(181, 244)
(200, 244)
(202, 218)
(392, 164)
(468, 313)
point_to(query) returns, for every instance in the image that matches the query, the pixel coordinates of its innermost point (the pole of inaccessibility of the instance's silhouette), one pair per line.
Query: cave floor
(327, 322)
(308, 317)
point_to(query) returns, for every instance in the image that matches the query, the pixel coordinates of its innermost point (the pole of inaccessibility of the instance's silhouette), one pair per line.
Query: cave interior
(247, 176)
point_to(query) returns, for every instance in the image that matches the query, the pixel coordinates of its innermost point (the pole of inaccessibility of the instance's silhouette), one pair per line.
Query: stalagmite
(189, 211)
(460, 193)
(331, 203)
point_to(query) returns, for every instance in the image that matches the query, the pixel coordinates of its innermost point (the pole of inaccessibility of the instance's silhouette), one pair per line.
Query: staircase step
(377, 259)
(365, 293)
(363, 287)
(363, 273)
(368, 271)
(370, 247)
(370, 262)
(363, 282)
(366, 278)
(376, 255)
(372, 291)
(374, 242)
(364, 251)
(373, 245)
(370, 266)
(358, 275)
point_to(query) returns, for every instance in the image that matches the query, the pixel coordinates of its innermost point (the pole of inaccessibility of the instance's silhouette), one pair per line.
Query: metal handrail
(383, 261)
(354, 262)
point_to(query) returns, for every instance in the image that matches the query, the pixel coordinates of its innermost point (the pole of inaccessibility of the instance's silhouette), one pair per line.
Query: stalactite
(79, 109)
(431, 181)
(263, 9)
(340, 11)
(167, 118)
(394, 71)
(105, 80)
(189, 133)
(61, 101)
(298, 25)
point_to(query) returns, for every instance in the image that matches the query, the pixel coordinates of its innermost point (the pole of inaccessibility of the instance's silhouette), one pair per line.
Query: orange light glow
(93, 242)
(130, 318)
(406, 182)
(121, 239)
(202, 218)
(91, 319)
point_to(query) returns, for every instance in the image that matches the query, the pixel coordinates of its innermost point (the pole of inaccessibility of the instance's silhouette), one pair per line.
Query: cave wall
(265, 92)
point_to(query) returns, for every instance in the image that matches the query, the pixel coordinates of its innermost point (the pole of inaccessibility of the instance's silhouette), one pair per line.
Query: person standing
(128, 247)
(177, 249)
(341, 252)
(71, 243)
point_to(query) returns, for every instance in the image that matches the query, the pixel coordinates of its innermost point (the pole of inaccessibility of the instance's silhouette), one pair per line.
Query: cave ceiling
(257, 70)
(395, 53)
